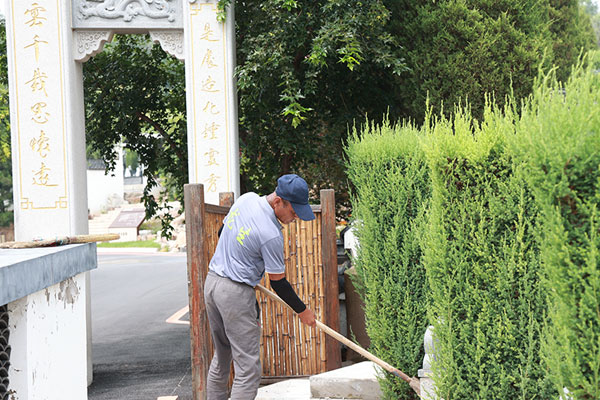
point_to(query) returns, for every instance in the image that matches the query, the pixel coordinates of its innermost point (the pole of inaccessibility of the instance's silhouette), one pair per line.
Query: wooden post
(330, 278)
(226, 199)
(197, 267)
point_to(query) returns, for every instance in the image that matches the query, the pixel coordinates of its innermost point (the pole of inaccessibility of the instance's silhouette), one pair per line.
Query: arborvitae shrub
(558, 142)
(506, 222)
(481, 258)
(391, 191)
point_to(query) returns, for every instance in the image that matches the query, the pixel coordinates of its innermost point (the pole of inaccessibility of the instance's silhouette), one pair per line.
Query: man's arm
(282, 287)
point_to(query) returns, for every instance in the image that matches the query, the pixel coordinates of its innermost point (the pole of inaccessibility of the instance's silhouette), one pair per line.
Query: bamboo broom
(60, 241)
(413, 382)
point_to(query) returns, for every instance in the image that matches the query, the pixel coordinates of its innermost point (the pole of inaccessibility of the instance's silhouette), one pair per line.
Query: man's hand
(308, 317)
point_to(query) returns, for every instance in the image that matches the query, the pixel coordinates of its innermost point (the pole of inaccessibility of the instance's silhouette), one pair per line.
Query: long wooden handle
(59, 241)
(413, 382)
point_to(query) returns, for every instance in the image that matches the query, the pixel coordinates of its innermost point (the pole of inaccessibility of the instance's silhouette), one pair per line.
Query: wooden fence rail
(288, 347)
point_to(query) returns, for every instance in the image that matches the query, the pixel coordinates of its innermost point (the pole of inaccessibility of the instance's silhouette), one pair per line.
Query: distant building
(104, 191)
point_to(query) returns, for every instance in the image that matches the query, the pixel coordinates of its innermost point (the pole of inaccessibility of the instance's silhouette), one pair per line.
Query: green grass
(139, 243)
(153, 226)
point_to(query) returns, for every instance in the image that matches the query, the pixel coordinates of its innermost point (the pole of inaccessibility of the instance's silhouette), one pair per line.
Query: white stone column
(213, 148)
(48, 141)
(47, 121)
(46, 363)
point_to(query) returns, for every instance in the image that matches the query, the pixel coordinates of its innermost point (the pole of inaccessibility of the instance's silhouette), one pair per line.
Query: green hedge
(558, 142)
(503, 218)
(481, 257)
(389, 174)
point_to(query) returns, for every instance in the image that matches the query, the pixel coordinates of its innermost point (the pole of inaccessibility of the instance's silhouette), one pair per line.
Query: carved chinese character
(34, 13)
(41, 145)
(36, 46)
(211, 157)
(38, 82)
(208, 85)
(207, 34)
(210, 131)
(212, 182)
(208, 59)
(40, 116)
(41, 177)
(211, 108)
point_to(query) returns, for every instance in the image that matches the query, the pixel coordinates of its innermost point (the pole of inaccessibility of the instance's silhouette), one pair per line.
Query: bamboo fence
(288, 347)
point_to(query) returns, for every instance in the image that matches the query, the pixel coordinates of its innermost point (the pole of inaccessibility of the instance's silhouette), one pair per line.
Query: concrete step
(292, 389)
(357, 381)
(101, 223)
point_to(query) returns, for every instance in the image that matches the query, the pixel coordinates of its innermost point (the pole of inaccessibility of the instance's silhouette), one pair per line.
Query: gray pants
(233, 317)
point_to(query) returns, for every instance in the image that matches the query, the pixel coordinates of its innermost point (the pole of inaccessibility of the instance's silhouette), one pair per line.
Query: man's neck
(271, 200)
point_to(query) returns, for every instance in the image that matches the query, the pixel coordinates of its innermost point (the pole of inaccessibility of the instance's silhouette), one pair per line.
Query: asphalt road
(136, 353)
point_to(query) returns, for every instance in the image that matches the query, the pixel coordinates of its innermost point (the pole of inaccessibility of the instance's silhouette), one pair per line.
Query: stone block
(358, 381)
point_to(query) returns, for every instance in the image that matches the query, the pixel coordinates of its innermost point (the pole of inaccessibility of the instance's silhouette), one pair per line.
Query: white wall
(48, 338)
(101, 187)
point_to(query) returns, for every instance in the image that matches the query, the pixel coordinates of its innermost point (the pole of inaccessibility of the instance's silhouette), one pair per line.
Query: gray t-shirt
(251, 242)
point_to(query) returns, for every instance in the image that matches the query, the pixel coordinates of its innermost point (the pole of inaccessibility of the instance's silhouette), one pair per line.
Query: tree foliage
(459, 50)
(139, 100)
(572, 34)
(591, 8)
(6, 196)
(306, 70)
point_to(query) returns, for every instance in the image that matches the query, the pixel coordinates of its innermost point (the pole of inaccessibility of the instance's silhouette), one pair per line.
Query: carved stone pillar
(211, 99)
(49, 173)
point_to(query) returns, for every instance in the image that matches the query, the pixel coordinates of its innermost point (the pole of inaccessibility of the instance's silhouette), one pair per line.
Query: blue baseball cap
(295, 190)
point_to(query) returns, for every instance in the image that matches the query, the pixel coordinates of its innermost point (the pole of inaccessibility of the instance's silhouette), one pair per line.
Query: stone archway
(47, 42)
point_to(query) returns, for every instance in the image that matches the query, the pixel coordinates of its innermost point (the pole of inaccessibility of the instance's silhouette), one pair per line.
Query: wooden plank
(214, 209)
(305, 283)
(294, 279)
(310, 253)
(330, 278)
(197, 267)
(322, 300)
(288, 322)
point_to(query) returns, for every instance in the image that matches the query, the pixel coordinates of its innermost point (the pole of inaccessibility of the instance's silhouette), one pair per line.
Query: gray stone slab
(26, 271)
(358, 381)
(291, 389)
